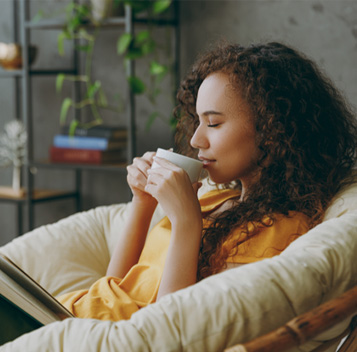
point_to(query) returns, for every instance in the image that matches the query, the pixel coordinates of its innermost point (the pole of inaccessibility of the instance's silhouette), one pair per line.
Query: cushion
(222, 310)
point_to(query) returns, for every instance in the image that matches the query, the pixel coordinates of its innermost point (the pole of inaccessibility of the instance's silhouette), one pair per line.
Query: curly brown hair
(305, 131)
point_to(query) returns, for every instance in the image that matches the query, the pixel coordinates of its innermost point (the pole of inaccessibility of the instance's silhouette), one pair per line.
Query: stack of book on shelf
(101, 144)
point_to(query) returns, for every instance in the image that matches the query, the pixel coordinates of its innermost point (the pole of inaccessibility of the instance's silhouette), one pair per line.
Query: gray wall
(325, 30)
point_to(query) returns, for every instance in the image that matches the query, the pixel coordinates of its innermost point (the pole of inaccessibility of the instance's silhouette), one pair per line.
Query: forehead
(217, 93)
(214, 85)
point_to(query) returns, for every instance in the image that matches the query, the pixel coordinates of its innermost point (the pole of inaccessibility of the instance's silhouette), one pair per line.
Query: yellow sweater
(112, 298)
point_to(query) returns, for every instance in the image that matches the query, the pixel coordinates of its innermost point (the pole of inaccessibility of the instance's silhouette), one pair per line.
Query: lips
(205, 161)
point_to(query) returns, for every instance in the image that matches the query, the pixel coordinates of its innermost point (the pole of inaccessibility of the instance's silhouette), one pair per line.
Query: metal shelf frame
(22, 29)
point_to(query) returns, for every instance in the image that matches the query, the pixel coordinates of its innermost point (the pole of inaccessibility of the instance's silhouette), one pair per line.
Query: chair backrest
(307, 326)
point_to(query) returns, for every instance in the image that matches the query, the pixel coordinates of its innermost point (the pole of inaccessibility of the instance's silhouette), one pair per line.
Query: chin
(219, 179)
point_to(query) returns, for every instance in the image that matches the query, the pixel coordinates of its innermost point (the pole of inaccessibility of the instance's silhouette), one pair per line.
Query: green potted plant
(143, 45)
(77, 18)
(131, 47)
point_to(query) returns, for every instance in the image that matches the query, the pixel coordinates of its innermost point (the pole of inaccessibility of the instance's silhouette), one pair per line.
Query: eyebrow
(212, 112)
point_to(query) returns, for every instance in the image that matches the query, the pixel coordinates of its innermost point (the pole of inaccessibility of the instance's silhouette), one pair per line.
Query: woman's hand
(171, 187)
(137, 178)
(132, 237)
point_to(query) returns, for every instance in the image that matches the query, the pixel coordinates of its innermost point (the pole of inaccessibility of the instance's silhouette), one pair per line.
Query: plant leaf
(124, 43)
(73, 24)
(137, 86)
(160, 6)
(72, 127)
(157, 69)
(138, 6)
(59, 81)
(151, 120)
(141, 37)
(102, 99)
(60, 42)
(93, 88)
(85, 48)
(148, 47)
(70, 8)
(67, 102)
(83, 11)
(134, 53)
(40, 14)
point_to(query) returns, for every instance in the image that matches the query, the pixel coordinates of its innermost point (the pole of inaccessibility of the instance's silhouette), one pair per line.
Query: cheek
(244, 147)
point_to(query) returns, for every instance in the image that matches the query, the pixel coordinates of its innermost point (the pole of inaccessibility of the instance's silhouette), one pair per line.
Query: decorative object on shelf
(13, 153)
(11, 55)
(102, 9)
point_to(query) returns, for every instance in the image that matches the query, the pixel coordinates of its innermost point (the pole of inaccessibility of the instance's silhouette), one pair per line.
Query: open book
(24, 304)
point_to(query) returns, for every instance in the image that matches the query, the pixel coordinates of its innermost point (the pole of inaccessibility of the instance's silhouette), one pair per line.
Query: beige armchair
(221, 311)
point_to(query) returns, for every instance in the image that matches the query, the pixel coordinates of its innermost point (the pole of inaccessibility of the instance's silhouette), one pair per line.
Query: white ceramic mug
(193, 167)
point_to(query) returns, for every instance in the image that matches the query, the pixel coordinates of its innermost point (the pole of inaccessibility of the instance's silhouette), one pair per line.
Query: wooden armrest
(306, 326)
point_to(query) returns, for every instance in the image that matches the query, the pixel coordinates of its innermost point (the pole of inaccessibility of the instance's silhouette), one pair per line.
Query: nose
(199, 140)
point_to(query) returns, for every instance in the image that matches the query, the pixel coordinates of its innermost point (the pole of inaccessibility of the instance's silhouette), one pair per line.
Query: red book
(85, 156)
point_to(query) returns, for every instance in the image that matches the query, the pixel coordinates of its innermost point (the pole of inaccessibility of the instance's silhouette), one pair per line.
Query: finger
(137, 175)
(150, 188)
(166, 163)
(136, 182)
(149, 156)
(142, 164)
(167, 171)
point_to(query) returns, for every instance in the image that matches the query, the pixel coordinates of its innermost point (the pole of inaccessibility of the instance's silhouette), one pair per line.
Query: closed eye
(213, 125)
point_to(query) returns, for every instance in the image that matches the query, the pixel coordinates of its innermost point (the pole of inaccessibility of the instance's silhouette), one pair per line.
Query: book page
(32, 287)
(14, 322)
(20, 297)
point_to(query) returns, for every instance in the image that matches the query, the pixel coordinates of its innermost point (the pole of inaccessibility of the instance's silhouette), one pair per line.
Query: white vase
(16, 178)
(101, 9)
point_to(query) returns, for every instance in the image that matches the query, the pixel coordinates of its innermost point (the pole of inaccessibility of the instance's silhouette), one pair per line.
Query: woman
(269, 127)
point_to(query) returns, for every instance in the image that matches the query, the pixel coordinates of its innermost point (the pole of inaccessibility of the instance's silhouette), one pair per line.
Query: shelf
(23, 26)
(11, 73)
(118, 167)
(49, 72)
(157, 22)
(59, 24)
(38, 195)
(45, 24)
